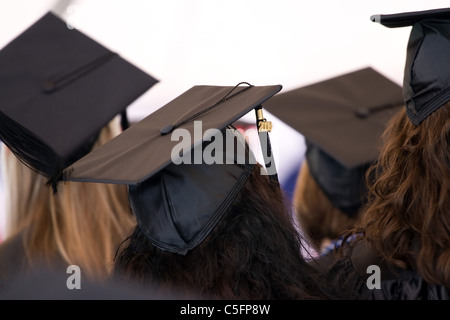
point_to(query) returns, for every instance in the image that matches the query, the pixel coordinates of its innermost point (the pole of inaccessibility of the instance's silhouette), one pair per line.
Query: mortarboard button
(48, 86)
(167, 129)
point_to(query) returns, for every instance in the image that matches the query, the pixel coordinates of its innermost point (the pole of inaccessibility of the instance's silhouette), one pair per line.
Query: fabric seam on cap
(222, 208)
(214, 219)
(430, 107)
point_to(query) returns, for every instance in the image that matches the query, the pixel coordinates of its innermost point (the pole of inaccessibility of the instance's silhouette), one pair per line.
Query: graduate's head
(184, 163)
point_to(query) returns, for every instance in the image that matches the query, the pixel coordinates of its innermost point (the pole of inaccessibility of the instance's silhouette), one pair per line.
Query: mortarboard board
(58, 88)
(342, 119)
(426, 79)
(176, 194)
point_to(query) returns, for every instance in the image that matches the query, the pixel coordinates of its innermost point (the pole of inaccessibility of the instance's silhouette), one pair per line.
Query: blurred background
(183, 43)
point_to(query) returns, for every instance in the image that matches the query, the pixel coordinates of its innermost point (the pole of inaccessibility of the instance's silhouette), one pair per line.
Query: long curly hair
(407, 219)
(254, 252)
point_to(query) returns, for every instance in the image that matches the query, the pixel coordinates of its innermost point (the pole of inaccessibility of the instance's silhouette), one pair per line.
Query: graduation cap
(426, 82)
(182, 170)
(342, 119)
(58, 89)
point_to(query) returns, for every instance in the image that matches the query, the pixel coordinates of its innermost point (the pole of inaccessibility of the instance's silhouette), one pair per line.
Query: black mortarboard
(342, 119)
(58, 88)
(177, 204)
(426, 82)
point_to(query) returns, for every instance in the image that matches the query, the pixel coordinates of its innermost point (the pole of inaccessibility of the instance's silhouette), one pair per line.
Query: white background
(183, 43)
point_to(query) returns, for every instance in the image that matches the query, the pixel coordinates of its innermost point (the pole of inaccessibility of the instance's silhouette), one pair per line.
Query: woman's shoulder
(336, 266)
(363, 274)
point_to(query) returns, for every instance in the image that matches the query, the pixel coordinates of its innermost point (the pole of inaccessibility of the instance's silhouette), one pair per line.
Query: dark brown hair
(254, 252)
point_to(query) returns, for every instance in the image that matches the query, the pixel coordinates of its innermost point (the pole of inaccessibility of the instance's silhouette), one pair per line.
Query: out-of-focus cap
(342, 119)
(58, 89)
(344, 115)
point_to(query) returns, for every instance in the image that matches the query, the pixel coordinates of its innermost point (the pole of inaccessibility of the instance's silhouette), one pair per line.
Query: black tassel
(124, 123)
